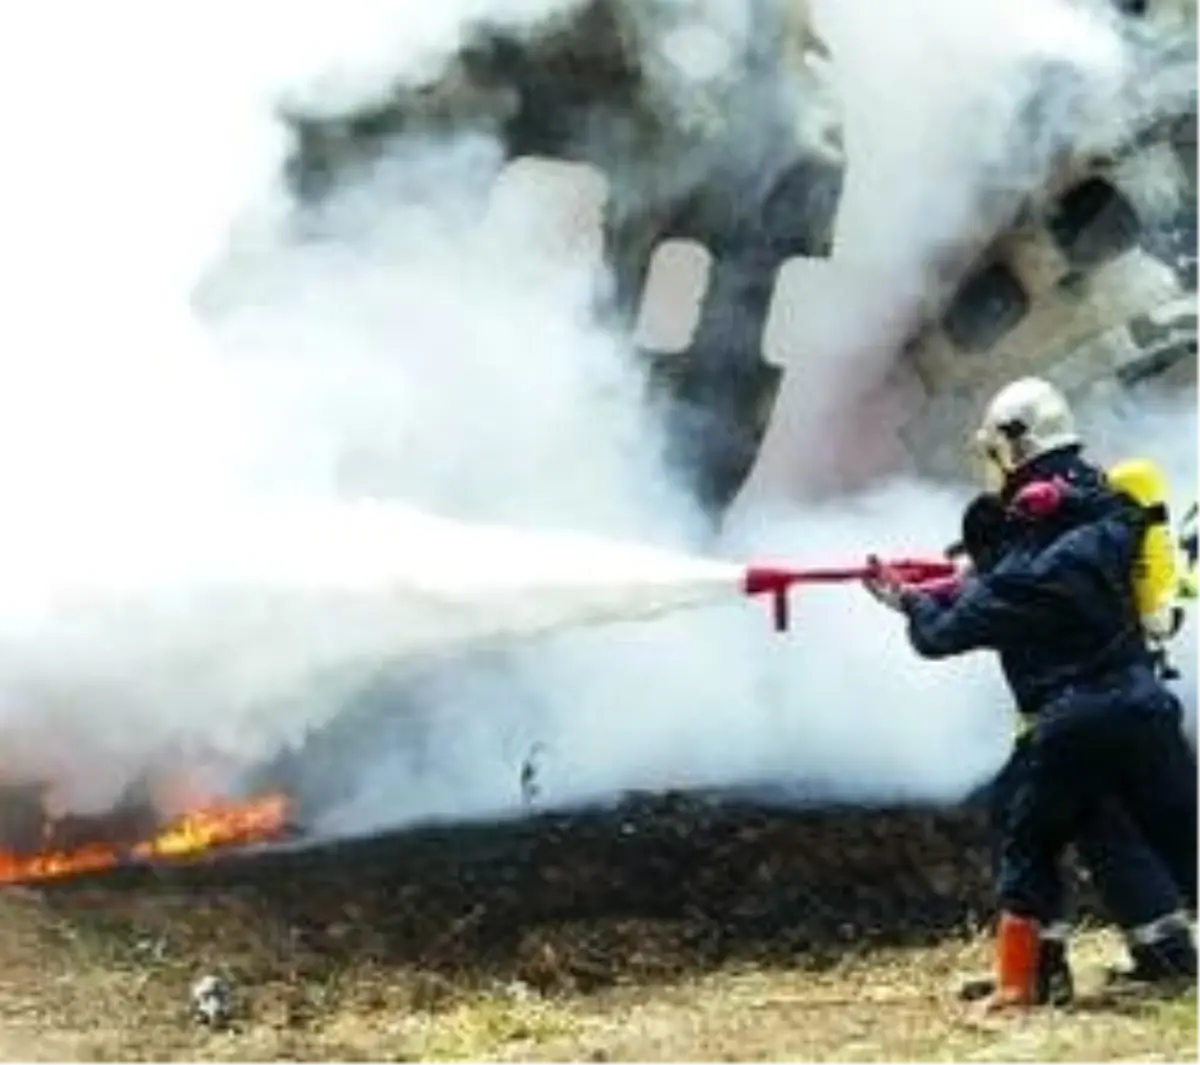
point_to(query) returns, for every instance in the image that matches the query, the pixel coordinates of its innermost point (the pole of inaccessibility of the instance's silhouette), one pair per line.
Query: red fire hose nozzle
(777, 581)
(769, 580)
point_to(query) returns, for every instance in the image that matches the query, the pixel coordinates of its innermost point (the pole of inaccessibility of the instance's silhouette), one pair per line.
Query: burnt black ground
(652, 887)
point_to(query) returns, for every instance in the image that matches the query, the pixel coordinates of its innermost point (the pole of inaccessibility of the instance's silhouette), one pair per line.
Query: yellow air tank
(1156, 575)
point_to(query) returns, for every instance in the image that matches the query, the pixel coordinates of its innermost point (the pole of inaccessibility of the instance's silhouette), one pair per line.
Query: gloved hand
(884, 585)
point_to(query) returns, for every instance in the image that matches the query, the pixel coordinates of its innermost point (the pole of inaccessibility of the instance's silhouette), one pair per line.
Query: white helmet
(1024, 420)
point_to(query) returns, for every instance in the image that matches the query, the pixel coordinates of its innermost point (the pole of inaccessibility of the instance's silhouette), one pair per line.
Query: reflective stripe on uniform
(1170, 924)
(1057, 932)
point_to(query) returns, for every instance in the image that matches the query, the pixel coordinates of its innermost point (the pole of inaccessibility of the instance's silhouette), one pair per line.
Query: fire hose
(777, 581)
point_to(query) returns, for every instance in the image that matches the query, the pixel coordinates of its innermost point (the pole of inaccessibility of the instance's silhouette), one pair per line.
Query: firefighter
(1133, 886)
(1189, 548)
(1061, 608)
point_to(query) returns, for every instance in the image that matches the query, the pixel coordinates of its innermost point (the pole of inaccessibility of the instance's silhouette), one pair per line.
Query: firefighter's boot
(1031, 970)
(1168, 960)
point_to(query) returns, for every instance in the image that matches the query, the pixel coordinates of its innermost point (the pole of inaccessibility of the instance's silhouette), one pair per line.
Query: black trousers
(1085, 760)
(1134, 887)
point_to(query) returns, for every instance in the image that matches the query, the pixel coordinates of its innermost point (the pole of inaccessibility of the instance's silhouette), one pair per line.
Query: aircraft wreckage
(1090, 278)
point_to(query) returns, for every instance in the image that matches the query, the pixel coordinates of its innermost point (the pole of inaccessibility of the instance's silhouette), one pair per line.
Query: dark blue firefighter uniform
(1135, 889)
(1058, 608)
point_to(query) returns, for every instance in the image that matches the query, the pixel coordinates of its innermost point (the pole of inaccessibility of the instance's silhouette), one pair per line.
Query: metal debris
(530, 788)
(212, 1001)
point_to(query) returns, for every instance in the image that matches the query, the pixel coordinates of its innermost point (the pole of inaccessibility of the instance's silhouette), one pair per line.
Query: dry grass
(83, 985)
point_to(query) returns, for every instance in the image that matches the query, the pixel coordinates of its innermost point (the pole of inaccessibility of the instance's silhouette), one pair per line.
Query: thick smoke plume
(147, 148)
(953, 116)
(424, 337)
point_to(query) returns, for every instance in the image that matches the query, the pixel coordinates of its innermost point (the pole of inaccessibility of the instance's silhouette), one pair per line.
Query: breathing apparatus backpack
(1156, 571)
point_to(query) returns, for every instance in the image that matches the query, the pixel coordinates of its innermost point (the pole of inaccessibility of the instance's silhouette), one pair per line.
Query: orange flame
(223, 823)
(220, 824)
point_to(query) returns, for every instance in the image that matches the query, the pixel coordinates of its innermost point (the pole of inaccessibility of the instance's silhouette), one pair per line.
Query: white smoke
(143, 142)
(838, 704)
(417, 340)
(953, 114)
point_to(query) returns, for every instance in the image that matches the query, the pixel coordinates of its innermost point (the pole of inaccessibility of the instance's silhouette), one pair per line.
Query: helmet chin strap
(994, 476)
(996, 469)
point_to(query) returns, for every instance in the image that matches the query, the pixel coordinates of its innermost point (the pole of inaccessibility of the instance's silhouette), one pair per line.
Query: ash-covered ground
(669, 928)
(649, 888)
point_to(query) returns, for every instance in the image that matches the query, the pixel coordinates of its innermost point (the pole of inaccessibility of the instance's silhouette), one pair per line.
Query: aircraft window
(987, 305)
(798, 214)
(1093, 223)
(673, 298)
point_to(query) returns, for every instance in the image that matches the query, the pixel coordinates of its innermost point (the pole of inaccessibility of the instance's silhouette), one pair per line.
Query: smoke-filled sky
(428, 341)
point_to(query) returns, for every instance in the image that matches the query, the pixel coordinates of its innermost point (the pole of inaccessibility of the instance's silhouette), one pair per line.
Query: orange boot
(1018, 945)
